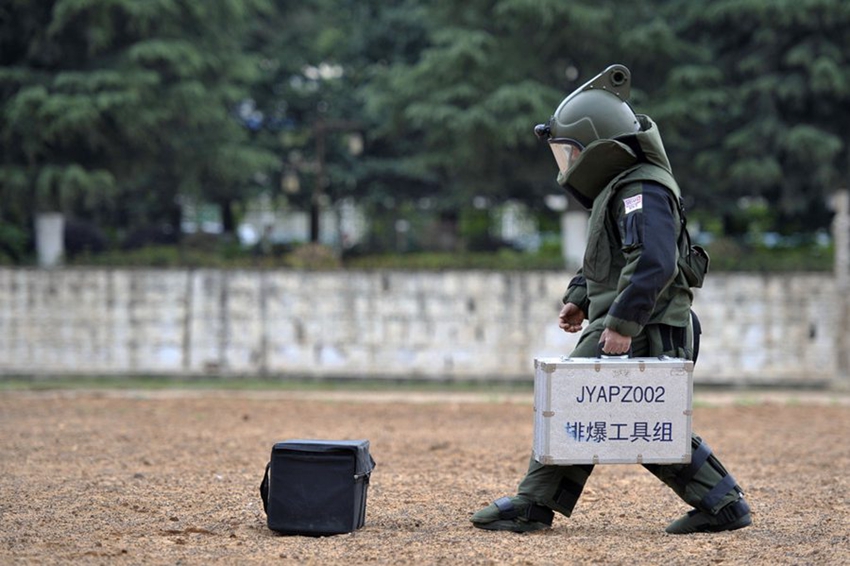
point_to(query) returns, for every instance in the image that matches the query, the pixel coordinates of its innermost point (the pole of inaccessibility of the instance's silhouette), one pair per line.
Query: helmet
(596, 110)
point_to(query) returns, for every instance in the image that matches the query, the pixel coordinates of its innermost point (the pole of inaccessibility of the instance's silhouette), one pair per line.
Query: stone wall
(383, 324)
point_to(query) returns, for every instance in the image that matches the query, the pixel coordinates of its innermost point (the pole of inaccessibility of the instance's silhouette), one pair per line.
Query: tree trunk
(228, 221)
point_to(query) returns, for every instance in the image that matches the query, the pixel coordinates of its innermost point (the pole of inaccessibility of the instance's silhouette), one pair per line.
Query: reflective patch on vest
(633, 203)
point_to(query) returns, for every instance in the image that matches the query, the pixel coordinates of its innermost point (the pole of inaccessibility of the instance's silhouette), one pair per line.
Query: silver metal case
(612, 410)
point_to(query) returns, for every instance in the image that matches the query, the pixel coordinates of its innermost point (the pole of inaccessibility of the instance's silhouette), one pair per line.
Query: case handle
(600, 354)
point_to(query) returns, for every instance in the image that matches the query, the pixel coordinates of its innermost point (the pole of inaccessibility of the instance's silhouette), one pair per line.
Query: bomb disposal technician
(634, 289)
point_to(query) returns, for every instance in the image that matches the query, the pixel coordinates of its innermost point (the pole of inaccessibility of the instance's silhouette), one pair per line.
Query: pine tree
(758, 104)
(115, 109)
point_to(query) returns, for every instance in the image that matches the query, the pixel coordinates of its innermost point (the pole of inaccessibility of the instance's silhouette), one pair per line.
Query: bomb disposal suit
(634, 289)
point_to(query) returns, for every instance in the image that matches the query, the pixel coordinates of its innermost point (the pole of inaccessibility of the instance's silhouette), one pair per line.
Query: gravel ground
(171, 477)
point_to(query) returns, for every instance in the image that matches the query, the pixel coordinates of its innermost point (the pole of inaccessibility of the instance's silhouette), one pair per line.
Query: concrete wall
(456, 324)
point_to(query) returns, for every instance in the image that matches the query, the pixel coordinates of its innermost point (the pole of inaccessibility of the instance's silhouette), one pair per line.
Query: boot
(705, 485)
(734, 516)
(516, 514)
(543, 490)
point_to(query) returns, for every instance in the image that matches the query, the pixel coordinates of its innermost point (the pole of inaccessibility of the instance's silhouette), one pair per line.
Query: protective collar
(605, 159)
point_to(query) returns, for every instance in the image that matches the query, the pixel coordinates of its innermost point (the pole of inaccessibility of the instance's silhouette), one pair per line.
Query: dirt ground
(170, 477)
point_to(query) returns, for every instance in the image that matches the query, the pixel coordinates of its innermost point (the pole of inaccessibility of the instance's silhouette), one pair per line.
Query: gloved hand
(570, 318)
(614, 343)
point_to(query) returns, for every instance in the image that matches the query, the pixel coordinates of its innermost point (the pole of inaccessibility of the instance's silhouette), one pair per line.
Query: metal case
(612, 410)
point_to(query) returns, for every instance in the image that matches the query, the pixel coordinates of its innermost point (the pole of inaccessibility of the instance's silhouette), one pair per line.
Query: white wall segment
(482, 325)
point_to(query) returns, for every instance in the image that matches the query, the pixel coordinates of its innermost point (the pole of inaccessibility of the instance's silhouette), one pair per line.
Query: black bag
(317, 487)
(693, 260)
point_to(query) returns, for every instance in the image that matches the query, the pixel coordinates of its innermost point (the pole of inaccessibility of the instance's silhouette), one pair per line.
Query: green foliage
(490, 72)
(118, 111)
(108, 103)
(213, 253)
(761, 109)
(502, 260)
(312, 256)
(60, 187)
(729, 254)
(13, 243)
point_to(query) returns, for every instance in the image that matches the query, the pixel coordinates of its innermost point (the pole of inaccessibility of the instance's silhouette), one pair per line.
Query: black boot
(709, 488)
(734, 516)
(515, 514)
(544, 489)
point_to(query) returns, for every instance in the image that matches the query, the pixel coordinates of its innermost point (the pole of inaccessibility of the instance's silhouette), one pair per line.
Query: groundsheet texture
(106, 477)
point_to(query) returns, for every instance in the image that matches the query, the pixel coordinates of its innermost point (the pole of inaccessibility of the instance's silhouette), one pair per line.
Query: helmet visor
(566, 152)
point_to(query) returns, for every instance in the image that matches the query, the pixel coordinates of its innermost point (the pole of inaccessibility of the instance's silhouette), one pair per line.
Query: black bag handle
(264, 489)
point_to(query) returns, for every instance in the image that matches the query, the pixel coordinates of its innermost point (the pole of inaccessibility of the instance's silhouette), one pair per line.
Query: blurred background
(345, 135)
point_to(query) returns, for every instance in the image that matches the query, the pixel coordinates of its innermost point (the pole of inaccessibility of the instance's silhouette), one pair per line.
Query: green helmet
(596, 110)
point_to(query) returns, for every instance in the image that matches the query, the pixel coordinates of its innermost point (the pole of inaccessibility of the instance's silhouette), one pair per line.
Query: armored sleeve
(647, 226)
(576, 293)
